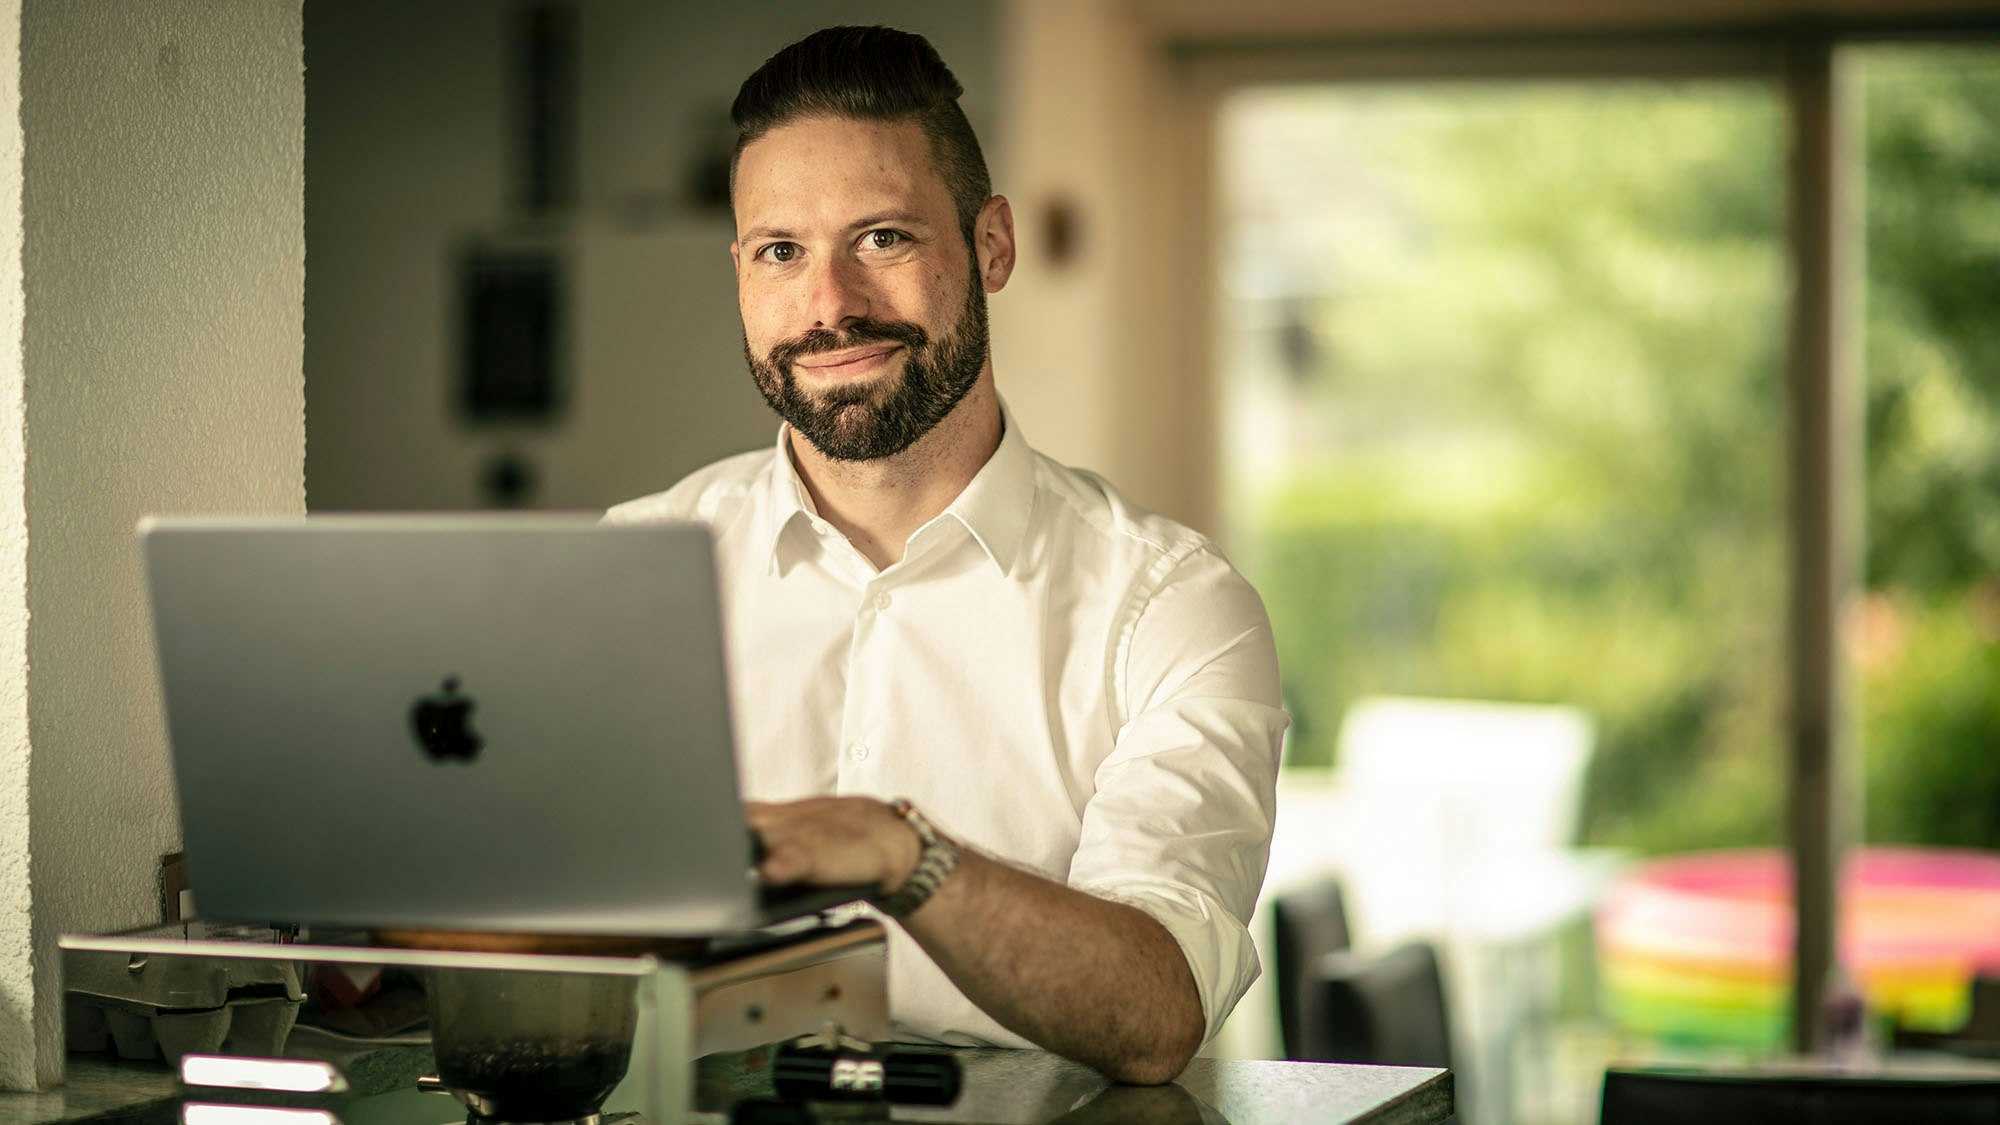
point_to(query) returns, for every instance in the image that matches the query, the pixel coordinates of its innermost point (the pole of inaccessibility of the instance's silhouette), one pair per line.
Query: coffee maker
(593, 1034)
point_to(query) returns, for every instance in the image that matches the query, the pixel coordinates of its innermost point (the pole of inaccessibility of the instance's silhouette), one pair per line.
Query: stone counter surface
(1001, 1088)
(96, 1089)
(1005, 1087)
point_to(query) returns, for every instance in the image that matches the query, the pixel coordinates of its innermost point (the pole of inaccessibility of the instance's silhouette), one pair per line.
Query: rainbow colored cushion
(1697, 949)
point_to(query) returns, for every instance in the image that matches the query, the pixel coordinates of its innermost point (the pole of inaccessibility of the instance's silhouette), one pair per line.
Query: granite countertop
(97, 1088)
(1001, 1087)
(1006, 1087)
(102, 1089)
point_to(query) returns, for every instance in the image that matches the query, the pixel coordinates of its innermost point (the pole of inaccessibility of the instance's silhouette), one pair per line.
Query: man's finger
(785, 865)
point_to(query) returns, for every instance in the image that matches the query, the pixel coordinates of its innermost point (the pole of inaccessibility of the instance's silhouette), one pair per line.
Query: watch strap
(937, 858)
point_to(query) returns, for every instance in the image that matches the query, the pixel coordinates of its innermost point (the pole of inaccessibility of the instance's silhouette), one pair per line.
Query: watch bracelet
(937, 859)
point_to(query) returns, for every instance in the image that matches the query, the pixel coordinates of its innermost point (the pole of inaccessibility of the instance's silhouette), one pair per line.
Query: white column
(152, 280)
(1103, 355)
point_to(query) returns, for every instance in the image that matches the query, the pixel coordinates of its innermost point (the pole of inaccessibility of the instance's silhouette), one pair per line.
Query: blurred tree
(1534, 447)
(1929, 643)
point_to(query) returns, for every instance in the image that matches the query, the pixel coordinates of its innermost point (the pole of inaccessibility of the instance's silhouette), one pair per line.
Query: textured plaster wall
(17, 985)
(162, 353)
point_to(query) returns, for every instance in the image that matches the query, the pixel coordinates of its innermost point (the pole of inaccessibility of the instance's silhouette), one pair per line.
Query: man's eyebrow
(880, 218)
(898, 218)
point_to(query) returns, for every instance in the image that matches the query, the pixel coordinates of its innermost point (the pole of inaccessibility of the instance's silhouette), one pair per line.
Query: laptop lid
(451, 722)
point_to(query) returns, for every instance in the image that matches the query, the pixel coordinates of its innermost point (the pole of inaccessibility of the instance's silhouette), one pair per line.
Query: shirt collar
(996, 504)
(785, 498)
(994, 507)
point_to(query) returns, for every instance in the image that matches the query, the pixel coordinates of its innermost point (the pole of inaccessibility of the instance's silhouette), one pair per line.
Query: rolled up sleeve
(1179, 824)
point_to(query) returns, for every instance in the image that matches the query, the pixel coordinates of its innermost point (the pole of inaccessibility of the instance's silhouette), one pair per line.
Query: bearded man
(1043, 721)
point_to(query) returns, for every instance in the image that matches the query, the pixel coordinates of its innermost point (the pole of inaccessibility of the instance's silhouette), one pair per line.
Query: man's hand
(834, 841)
(1098, 981)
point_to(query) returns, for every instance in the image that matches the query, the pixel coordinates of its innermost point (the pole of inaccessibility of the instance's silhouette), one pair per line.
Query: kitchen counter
(1001, 1088)
(102, 1089)
(96, 1089)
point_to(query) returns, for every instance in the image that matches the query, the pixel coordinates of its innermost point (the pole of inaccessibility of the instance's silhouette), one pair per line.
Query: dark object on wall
(512, 349)
(543, 89)
(509, 480)
(1388, 1010)
(1306, 924)
(1062, 226)
(1644, 1096)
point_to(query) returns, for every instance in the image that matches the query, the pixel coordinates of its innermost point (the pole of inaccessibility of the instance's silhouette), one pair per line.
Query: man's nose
(839, 293)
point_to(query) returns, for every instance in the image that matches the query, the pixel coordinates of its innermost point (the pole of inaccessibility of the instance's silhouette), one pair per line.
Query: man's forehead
(827, 169)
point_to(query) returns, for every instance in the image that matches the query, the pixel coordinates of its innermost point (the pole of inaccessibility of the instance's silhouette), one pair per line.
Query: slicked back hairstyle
(870, 74)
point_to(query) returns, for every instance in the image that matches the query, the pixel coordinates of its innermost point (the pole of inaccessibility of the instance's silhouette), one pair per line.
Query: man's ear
(735, 259)
(993, 240)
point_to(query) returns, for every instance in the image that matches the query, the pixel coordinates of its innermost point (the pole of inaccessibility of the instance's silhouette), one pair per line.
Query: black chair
(1306, 925)
(1648, 1096)
(1388, 1009)
(1979, 1038)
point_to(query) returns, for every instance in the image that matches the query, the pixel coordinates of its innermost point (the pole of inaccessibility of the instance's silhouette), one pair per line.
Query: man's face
(864, 318)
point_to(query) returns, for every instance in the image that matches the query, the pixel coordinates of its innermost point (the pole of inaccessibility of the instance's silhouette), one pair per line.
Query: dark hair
(874, 74)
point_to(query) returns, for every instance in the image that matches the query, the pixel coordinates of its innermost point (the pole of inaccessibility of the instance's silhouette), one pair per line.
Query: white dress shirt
(1053, 676)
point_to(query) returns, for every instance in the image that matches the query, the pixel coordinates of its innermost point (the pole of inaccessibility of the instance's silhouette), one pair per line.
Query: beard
(868, 421)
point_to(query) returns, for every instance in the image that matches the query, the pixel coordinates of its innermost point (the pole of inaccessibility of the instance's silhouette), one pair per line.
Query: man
(1077, 699)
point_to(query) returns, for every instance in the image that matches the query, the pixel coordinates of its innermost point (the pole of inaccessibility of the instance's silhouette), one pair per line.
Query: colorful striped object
(1696, 949)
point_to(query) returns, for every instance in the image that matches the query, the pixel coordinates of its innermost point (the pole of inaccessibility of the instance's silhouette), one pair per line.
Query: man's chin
(853, 442)
(871, 385)
(870, 391)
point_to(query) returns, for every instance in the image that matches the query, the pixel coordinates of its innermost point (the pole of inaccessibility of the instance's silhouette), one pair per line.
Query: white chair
(1459, 819)
(1441, 797)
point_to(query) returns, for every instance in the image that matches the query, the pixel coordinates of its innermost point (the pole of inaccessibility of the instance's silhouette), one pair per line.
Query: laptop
(500, 723)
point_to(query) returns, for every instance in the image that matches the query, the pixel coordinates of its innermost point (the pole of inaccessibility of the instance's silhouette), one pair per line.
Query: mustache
(863, 331)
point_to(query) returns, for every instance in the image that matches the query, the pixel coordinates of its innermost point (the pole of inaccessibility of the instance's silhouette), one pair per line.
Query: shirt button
(881, 603)
(858, 752)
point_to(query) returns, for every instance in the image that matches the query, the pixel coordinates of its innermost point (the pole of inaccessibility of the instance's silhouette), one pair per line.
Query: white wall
(155, 366)
(1105, 357)
(408, 156)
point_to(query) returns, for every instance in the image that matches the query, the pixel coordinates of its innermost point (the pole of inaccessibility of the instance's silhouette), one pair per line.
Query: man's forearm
(1100, 982)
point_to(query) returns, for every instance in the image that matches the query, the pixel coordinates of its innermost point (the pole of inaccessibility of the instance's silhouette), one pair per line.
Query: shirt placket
(862, 763)
(864, 722)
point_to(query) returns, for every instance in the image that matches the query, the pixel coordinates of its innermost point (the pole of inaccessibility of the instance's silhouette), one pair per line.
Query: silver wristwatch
(937, 859)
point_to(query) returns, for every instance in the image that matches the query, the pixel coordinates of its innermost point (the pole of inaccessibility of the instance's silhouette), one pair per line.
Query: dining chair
(1650, 1096)
(1978, 1037)
(1388, 1010)
(1306, 924)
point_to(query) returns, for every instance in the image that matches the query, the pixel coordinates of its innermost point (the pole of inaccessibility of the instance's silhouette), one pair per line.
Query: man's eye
(780, 251)
(883, 239)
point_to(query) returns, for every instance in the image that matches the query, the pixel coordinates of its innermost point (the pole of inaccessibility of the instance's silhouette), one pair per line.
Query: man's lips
(852, 359)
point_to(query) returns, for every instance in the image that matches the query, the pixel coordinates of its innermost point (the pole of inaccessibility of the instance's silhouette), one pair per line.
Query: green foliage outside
(1930, 636)
(1530, 363)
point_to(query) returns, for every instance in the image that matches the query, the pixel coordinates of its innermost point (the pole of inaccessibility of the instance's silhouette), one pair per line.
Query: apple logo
(443, 724)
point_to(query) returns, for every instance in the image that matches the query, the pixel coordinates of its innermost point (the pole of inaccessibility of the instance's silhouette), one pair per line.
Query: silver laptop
(478, 722)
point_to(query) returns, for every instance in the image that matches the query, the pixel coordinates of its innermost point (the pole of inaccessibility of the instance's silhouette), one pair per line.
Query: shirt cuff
(1220, 955)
